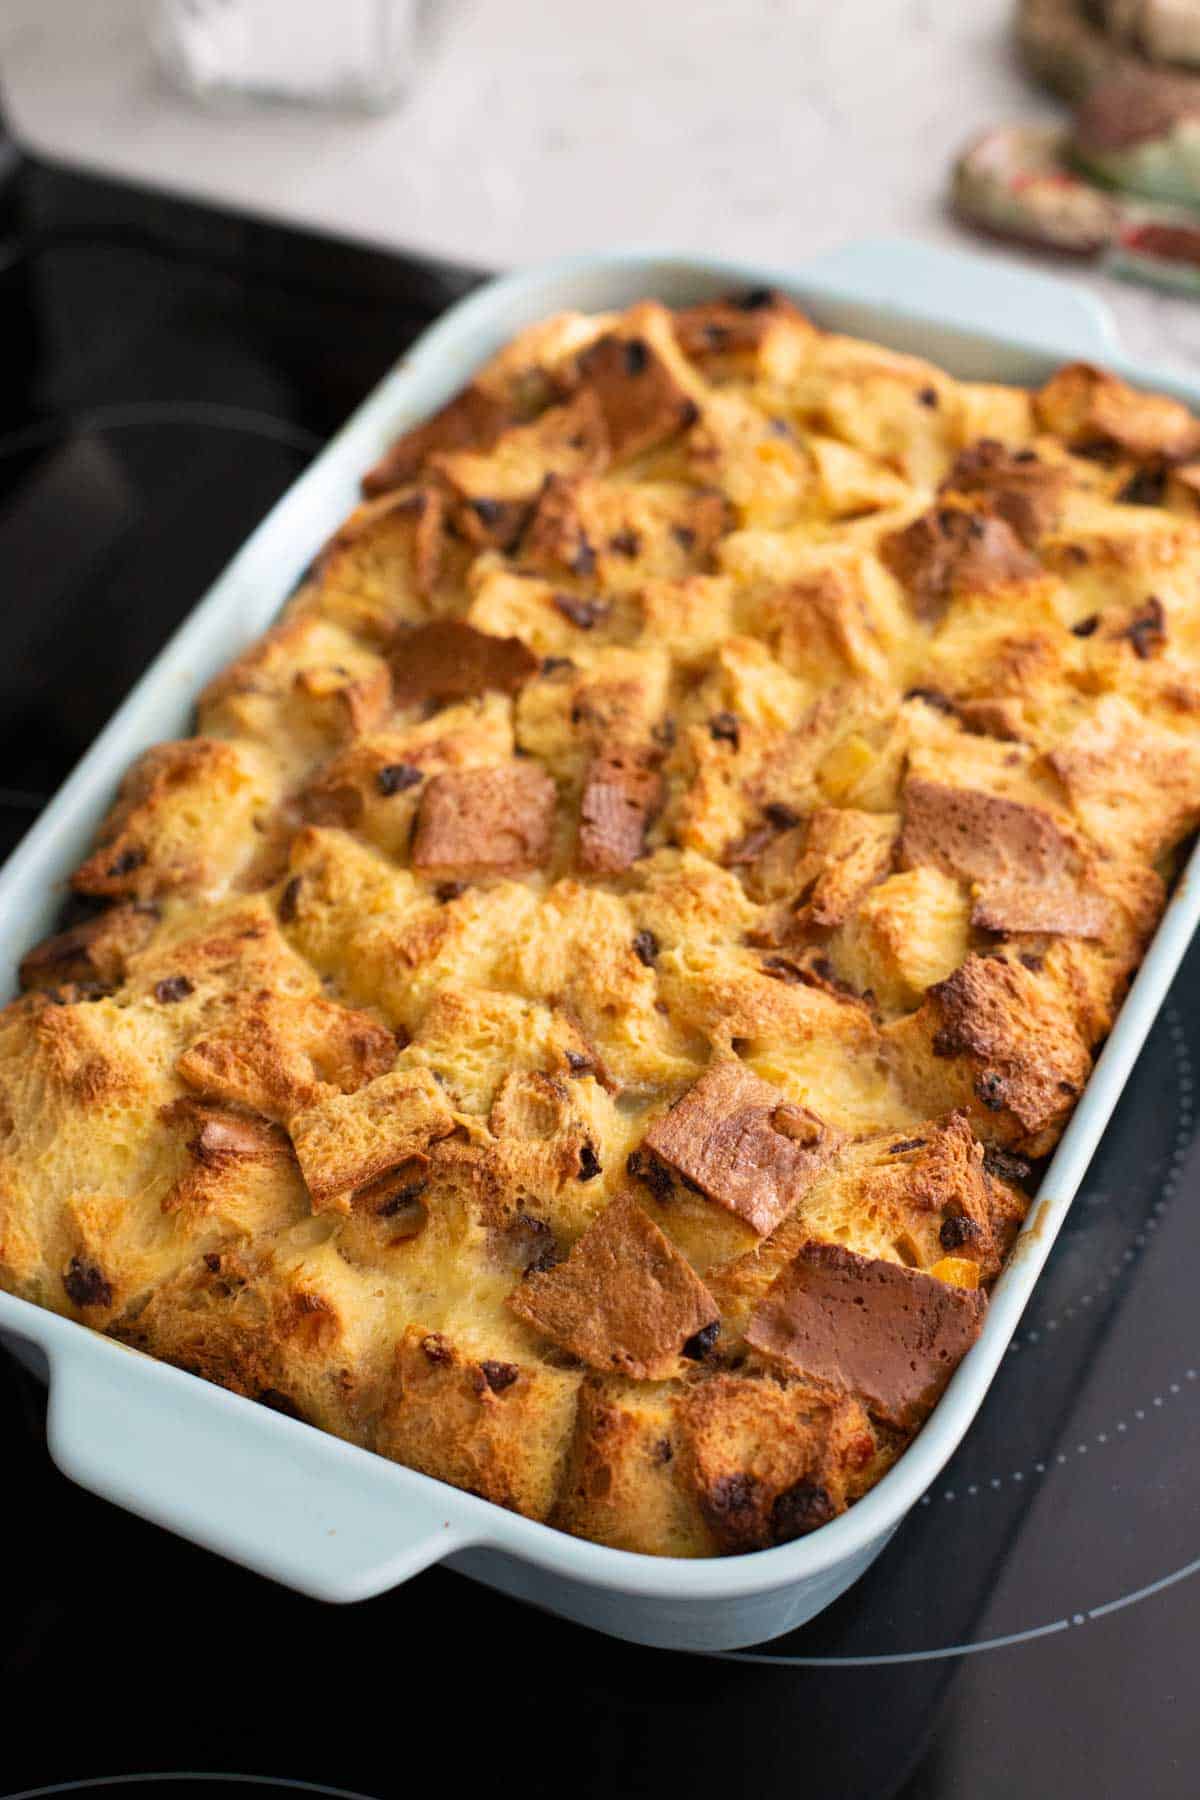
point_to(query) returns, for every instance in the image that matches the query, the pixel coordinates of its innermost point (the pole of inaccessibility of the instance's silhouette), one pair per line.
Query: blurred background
(221, 221)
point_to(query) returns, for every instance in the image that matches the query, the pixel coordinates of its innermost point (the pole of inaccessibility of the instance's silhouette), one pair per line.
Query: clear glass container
(348, 53)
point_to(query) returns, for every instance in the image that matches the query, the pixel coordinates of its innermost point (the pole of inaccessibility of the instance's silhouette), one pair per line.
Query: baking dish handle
(264, 1490)
(979, 294)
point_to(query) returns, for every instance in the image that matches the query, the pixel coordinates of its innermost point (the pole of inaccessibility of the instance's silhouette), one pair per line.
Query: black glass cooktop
(1034, 1627)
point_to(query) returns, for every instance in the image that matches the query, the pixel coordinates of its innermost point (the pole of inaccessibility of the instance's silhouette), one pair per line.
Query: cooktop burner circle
(144, 415)
(194, 1783)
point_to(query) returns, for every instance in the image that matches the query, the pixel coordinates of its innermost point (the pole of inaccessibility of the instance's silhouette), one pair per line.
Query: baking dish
(326, 1517)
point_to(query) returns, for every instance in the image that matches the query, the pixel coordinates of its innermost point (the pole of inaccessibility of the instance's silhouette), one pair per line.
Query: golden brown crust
(996, 1037)
(1085, 406)
(624, 1302)
(449, 660)
(496, 1427)
(94, 953)
(485, 821)
(1025, 868)
(1022, 489)
(889, 1335)
(770, 1462)
(346, 1144)
(181, 821)
(622, 791)
(668, 869)
(952, 551)
(473, 419)
(744, 1144)
(639, 397)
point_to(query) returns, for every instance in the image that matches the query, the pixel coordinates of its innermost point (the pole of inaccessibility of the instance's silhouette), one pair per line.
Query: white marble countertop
(769, 128)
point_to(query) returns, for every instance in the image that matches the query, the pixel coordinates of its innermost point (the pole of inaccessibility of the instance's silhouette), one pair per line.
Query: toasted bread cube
(743, 1143)
(768, 1462)
(889, 1335)
(1085, 405)
(498, 1428)
(347, 1143)
(622, 1485)
(908, 932)
(625, 1302)
(183, 821)
(1001, 1041)
(487, 821)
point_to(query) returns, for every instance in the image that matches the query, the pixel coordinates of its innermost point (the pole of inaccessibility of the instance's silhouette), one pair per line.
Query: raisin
(957, 1229)
(1004, 1165)
(577, 1062)
(625, 543)
(499, 1375)
(395, 778)
(399, 1198)
(1099, 451)
(684, 536)
(732, 1494)
(86, 1285)
(1145, 487)
(701, 1342)
(436, 1349)
(898, 1149)
(288, 899)
(645, 947)
(1147, 630)
(651, 1173)
(536, 1246)
(990, 1090)
(757, 300)
(798, 1510)
(172, 988)
(449, 890)
(928, 396)
(555, 665)
(637, 356)
(1085, 627)
(780, 816)
(127, 862)
(723, 728)
(589, 1163)
(932, 697)
(584, 613)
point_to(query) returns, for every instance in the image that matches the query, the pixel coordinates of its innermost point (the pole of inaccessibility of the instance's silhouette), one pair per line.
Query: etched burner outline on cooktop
(1061, 1457)
(146, 414)
(1005, 1642)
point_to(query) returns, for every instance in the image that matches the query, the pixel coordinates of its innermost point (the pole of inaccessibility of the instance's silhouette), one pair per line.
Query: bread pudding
(582, 1014)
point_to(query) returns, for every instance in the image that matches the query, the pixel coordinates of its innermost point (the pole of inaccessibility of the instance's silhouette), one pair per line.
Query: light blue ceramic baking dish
(335, 1521)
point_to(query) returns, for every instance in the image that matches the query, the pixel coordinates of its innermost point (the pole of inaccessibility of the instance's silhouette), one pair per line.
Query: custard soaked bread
(578, 1016)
